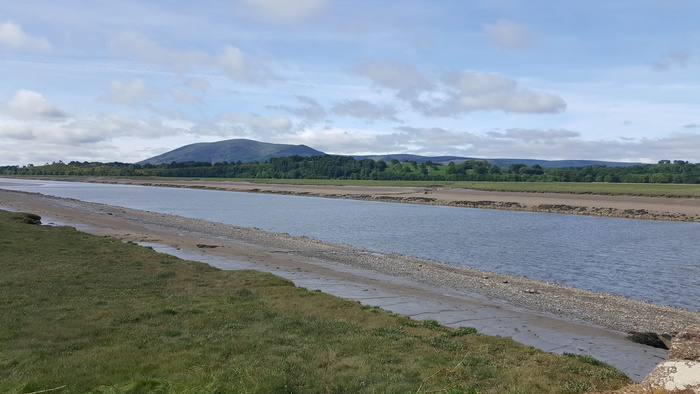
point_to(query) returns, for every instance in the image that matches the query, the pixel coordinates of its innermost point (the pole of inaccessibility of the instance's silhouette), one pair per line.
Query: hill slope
(231, 151)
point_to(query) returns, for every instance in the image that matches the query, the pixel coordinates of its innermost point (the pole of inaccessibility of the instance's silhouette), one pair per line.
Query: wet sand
(544, 315)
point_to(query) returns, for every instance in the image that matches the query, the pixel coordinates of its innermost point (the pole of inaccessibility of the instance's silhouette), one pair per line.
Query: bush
(29, 218)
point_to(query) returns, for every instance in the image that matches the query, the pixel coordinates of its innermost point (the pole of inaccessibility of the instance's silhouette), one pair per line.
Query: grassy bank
(82, 313)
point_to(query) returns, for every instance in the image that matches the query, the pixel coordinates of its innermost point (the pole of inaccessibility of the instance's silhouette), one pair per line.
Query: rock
(674, 375)
(682, 369)
(647, 338)
(686, 345)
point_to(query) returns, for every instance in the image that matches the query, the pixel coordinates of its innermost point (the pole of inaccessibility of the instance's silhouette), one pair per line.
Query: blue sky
(126, 80)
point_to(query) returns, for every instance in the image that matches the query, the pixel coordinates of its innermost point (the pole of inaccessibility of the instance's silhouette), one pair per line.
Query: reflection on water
(655, 261)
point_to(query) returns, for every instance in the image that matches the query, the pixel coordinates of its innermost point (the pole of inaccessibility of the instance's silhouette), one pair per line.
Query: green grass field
(87, 314)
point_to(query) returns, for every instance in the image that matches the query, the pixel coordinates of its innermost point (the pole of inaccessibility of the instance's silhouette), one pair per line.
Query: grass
(88, 314)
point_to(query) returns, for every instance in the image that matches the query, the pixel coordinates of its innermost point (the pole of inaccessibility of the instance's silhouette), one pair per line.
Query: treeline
(345, 167)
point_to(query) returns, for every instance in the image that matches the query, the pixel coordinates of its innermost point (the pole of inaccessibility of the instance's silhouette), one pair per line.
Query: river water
(655, 261)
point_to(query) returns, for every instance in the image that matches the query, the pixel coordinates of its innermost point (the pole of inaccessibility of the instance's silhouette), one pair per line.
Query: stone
(686, 345)
(674, 375)
(682, 369)
(647, 338)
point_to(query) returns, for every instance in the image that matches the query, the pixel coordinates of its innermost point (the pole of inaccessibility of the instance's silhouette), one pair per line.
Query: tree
(515, 167)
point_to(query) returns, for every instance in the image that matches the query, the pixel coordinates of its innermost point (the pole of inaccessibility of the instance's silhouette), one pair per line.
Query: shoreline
(548, 316)
(628, 207)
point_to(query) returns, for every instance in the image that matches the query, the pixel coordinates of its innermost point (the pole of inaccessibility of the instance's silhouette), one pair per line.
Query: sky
(126, 80)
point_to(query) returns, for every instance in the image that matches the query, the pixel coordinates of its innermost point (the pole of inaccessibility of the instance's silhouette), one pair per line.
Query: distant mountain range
(247, 151)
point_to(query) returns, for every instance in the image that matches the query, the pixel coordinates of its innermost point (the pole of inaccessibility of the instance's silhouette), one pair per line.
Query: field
(92, 314)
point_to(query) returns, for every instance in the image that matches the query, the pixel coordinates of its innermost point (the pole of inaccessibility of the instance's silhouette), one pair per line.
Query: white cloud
(197, 84)
(432, 140)
(233, 63)
(230, 60)
(432, 137)
(71, 135)
(404, 78)
(26, 104)
(285, 11)
(527, 101)
(675, 146)
(552, 144)
(311, 110)
(141, 47)
(94, 137)
(129, 92)
(106, 127)
(508, 34)
(476, 83)
(183, 97)
(470, 91)
(11, 35)
(335, 140)
(255, 123)
(15, 129)
(674, 60)
(49, 152)
(530, 135)
(365, 110)
(459, 92)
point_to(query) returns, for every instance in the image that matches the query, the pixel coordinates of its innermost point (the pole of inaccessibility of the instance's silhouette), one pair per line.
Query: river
(654, 261)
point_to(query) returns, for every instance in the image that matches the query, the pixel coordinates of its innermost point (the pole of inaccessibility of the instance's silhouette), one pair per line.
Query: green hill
(231, 151)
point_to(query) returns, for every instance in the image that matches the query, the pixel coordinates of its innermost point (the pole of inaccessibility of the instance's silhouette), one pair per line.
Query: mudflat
(544, 315)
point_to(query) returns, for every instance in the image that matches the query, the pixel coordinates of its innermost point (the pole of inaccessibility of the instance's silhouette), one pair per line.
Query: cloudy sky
(125, 80)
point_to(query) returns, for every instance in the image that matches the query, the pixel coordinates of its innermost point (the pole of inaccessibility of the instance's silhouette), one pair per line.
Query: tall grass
(80, 313)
